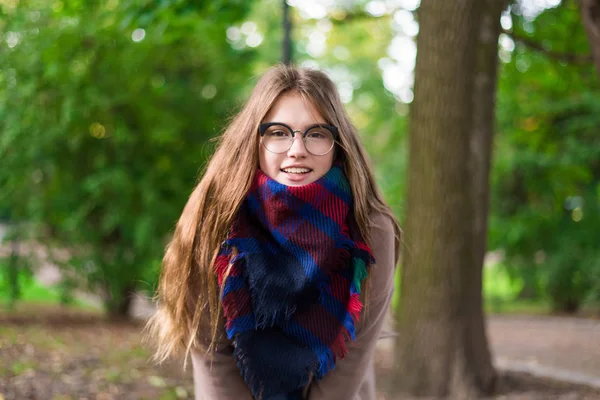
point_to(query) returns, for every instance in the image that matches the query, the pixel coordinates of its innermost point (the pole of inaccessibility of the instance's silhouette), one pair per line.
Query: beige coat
(353, 377)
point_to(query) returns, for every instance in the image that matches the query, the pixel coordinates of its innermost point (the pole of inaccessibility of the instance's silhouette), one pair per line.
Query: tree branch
(571, 58)
(590, 16)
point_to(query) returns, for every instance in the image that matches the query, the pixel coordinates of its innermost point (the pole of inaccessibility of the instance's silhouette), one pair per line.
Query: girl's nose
(298, 148)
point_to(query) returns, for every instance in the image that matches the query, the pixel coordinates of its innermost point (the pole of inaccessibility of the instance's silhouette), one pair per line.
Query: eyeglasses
(278, 137)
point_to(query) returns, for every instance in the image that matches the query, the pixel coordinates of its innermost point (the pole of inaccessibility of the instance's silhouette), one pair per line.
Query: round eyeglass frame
(262, 128)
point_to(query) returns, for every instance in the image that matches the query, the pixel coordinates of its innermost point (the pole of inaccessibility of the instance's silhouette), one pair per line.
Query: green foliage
(357, 47)
(546, 175)
(15, 277)
(106, 110)
(31, 292)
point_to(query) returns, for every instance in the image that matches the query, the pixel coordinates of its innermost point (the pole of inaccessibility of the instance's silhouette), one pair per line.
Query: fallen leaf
(179, 391)
(156, 381)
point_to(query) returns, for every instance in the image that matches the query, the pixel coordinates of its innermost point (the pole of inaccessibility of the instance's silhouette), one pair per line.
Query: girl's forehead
(294, 110)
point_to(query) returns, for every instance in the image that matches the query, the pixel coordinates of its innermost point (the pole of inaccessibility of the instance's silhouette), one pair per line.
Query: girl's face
(297, 166)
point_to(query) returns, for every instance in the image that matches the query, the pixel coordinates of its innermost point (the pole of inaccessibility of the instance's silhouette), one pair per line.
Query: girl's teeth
(297, 170)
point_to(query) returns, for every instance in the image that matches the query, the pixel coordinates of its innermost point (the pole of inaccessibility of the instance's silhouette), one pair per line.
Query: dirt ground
(510, 386)
(51, 355)
(572, 344)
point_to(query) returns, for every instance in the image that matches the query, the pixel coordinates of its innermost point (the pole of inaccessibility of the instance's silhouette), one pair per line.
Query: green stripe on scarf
(360, 272)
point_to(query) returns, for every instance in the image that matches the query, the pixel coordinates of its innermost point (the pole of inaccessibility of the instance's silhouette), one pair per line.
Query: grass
(33, 293)
(60, 353)
(500, 294)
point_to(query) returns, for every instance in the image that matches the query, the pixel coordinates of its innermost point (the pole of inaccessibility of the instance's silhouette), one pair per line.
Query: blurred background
(107, 110)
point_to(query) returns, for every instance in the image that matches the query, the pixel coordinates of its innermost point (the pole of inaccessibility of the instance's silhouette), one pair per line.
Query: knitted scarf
(290, 274)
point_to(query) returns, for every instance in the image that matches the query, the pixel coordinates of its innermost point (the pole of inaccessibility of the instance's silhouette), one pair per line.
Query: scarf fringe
(263, 320)
(344, 256)
(221, 264)
(355, 306)
(254, 382)
(326, 362)
(339, 346)
(360, 272)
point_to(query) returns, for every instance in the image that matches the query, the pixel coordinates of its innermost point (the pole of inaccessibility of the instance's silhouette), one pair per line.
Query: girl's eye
(279, 133)
(316, 135)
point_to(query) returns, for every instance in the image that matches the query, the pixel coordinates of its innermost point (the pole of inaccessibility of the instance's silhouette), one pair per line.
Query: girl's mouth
(296, 170)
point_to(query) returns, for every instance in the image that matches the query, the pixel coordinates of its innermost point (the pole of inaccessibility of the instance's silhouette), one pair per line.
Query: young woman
(280, 271)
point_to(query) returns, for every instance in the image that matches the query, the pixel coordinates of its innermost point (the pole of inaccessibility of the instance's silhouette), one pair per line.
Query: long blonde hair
(188, 293)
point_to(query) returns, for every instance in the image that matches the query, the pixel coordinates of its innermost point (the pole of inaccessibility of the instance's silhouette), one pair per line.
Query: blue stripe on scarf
(275, 186)
(310, 214)
(337, 309)
(241, 324)
(320, 221)
(251, 244)
(310, 266)
(232, 284)
(334, 306)
(322, 351)
(307, 212)
(336, 183)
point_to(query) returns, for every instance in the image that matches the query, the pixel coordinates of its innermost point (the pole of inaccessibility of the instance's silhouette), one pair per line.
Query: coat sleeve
(353, 376)
(216, 375)
(219, 378)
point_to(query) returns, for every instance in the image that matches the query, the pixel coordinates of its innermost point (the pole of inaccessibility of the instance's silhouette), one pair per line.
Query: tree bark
(13, 269)
(442, 348)
(590, 16)
(119, 306)
(484, 105)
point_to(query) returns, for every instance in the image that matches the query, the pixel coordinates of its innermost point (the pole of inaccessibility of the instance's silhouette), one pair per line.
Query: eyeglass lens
(278, 139)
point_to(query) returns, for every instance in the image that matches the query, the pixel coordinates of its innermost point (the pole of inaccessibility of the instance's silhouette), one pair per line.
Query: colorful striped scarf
(290, 273)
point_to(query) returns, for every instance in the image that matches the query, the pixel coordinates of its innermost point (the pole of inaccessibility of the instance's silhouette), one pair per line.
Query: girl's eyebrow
(303, 128)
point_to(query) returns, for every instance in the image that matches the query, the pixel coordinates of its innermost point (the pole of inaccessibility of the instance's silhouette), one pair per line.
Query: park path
(560, 348)
(563, 348)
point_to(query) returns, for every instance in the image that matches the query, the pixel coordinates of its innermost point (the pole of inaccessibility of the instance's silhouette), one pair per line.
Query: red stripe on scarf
(364, 246)
(324, 201)
(340, 287)
(355, 306)
(237, 304)
(315, 242)
(320, 323)
(338, 346)
(273, 206)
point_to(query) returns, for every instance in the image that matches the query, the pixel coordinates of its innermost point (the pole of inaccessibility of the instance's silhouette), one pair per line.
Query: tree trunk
(13, 270)
(442, 348)
(484, 105)
(119, 306)
(590, 15)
